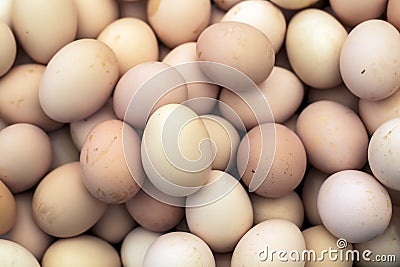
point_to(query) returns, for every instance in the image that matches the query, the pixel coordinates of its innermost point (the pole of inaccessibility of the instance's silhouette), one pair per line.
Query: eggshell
(64, 150)
(67, 210)
(201, 94)
(84, 250)
(385, 247)
(166, 19)
(176, 150)
(132, 40)
(384, 153)
(309, 194)
(115, 224)
(226, 140)
(25, 157)
(135, 245)
(13, 254)
(353, 205)
(8, 209)
(288, 207)
(70, 91)
(19, 97)
(178, 249)
(319, 241)
(368, 69)
(154, 214)
(25, 230)
(271, 160)
(392, 10)
(220, 213)
(111, 163)
(145, 88)
(239, 46)
(294, 4)
(43, 27)
(264, 16)
(333, 135)
(256, 247)
(355, 12)
(8, 51)
(80, 129)
(94, 16)
(314, 40)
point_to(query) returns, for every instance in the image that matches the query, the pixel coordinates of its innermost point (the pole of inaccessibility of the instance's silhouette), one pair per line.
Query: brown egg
(25, 231)
(271, 160)
(64, 150)
(67, 210)
(153, 214)
(19, 97)
(25, 157)
(333, 135)
(83, 250)
(111, 163)
(8, 209)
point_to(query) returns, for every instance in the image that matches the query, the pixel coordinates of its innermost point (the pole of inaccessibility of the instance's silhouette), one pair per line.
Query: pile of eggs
(199, 133)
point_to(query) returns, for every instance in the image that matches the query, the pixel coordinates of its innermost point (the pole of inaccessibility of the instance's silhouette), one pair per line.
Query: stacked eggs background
(199, 133)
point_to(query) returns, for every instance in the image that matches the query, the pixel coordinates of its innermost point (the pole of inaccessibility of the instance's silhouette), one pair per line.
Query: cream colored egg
(94, 16)
(175, 26)
(176, 150)
(264, 16)
(132, 40)
(25, 157)
(178, 249)
(8, 51)
(369, 60)
(43, 27)
(135, 245)
(262, 243)
(8, 209)
(19, 97)
(220, 213)
(67, 210)
(78, 80)
(64, 150)
(110, 162)
(83, 250)
(294, 4)
(13, 254)
(314, 40)
(288, 207)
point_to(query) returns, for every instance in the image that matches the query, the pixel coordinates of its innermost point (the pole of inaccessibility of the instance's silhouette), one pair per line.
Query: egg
(111, 163)
(44, 27)
(271, 160)
(237, 45)
(8, 209)
(69, 91)
(264, 16)
(166, 19)
(314, 40)
(9, 48)
(26, 156)
(392, 8)
(263, 243)
(367, 67)
(67, 210)
(353, 205)
(289, 207)
(383, 155)
(178, 249)
(83, 250)
(91, 21)
(5, 11)
(132, 40)
(176, 150)
(333, 135)
(19, 97)
(220, 213)
(13, 254)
